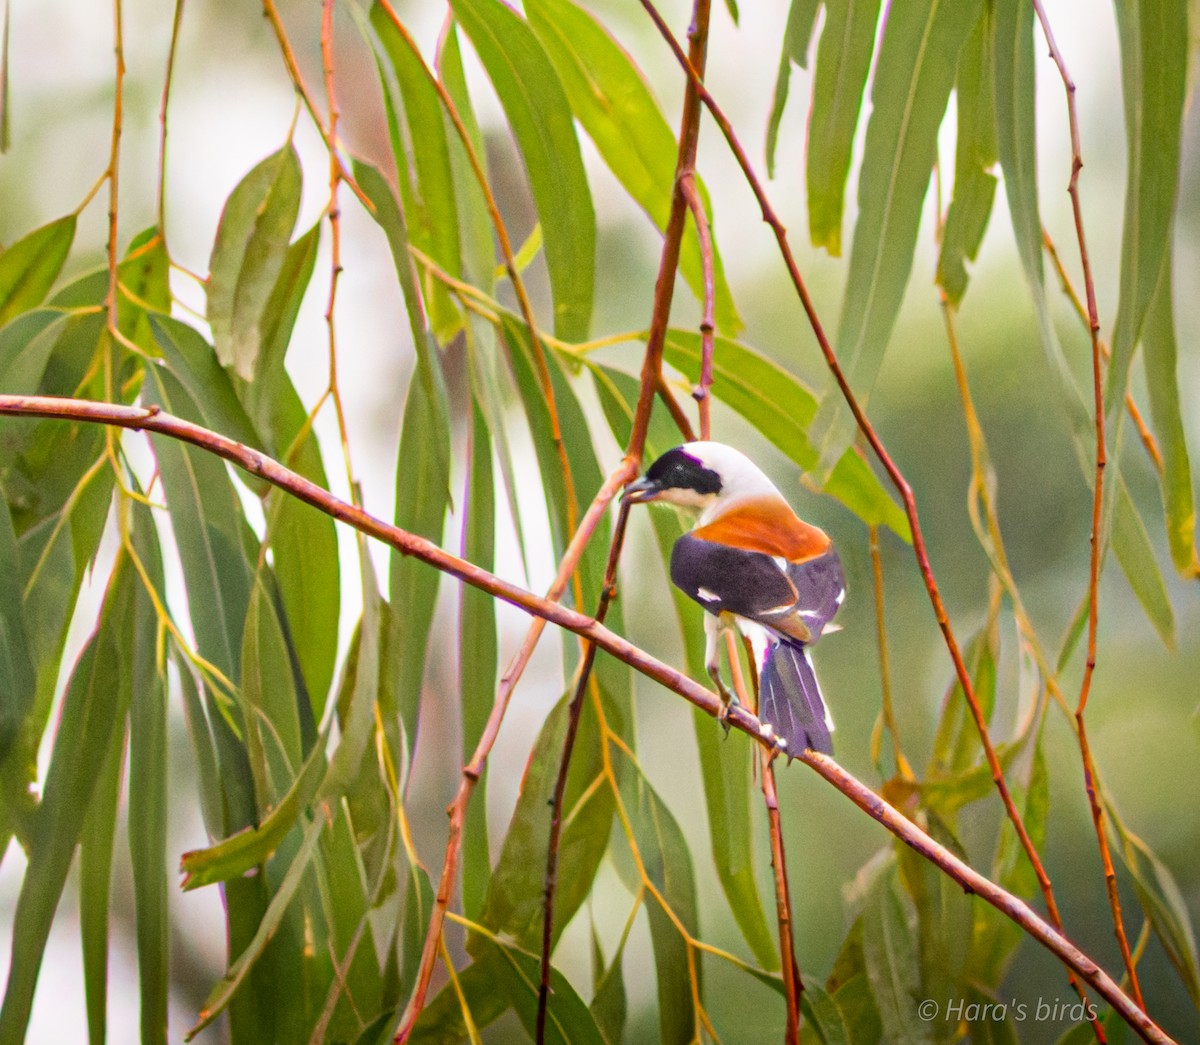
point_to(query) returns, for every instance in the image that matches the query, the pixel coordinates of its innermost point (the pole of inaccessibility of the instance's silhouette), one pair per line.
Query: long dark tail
(790, 699)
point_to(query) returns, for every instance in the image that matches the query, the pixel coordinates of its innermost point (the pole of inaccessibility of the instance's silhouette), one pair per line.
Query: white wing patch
(707, 596)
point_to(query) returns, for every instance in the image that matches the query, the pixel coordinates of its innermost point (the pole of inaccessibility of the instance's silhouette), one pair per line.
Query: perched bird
(750, 560)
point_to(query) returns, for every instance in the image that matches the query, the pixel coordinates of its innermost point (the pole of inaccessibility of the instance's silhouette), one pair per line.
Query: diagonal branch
(897, 478)
(267, 468)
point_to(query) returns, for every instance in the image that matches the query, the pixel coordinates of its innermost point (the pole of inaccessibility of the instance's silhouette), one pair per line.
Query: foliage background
(233, 105)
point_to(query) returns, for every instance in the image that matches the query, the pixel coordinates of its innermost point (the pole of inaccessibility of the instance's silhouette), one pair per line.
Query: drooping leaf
(609, 1003)
(149, 773)
(478, 655)
(16, 665)
(668, 864)
(1132, 547)
(1154, 37)
(1161, 899)
(537, 111)
(890, 952)
(514, 902)
(914, 74)
(1160, 359)
(207, 520)
(421, 150)
(247, 258)
(823, 1016)
(839, 80)
(956, 744)
(30, 266)
(613, 102)
(974, 158)
(91, 710)
(802, 17)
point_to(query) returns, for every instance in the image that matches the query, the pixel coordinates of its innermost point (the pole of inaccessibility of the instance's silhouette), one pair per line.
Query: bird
(753, 563)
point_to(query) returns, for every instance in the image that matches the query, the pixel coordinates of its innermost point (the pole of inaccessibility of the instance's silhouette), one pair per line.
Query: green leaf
(194, 362)
(16, 665)
(247, 258)
(613, 102)
(781, 407)
(668, 864)
(974, 158)
(956, 745)
(426, 181)
(261, 396)
(222, 993)
(823, 1017)
(913, 76)
(1154, 37)
(422, 497)
(802, 17)
(1132, 547)
(537, 111)
(149, 773)
(1160, 359)
(609, 1003)
(91, 710)
(843, 61)
(478, 654)
(30, 266)
(95, 874)
(207, 519)
(514, 904)
(890, 953)
(1161, 900)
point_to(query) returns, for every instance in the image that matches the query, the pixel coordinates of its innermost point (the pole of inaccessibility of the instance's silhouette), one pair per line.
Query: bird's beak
(641, 491)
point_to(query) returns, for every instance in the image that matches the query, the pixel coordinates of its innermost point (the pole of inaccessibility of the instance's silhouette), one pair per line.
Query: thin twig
(510, 265)
(164, 102)
(574, 710)
(993, 544)
(293, 69)
(668, 264)
(702, 393)
(259, 464)
(1131, 407)
(335, 236)
(473, 770)
(793, 985)
(1097, 503)
(895, 475)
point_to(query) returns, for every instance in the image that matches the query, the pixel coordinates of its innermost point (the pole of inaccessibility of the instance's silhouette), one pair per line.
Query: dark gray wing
(733, 580)
(820, 587)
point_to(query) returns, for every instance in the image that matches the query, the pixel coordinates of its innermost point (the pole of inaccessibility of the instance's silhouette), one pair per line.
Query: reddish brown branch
(897, 477)
(154, 420)
(793, 985)
(473, 770)
(1097, 505)
(574, 711)
(664, 286)
(702, 392)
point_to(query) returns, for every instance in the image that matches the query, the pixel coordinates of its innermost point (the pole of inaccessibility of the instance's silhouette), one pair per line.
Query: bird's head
(701, 476)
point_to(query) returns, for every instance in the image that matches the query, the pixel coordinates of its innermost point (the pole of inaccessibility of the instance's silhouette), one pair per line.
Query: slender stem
(702, 392)
(293, 68)
(664, 286)
(473, 770)
(258, 464)
(897, 478)
(793, 985)
(1089, 668)
(574, 710)
(161, 203)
